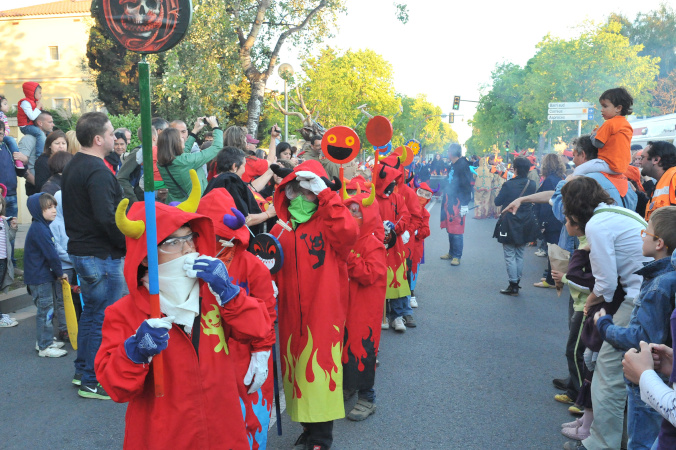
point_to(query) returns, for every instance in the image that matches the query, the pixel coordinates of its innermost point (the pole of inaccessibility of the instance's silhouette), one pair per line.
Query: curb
(15, 300)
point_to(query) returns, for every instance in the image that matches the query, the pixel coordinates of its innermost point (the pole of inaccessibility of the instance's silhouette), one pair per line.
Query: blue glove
(213, 271)
(389, 226)
(150, 339)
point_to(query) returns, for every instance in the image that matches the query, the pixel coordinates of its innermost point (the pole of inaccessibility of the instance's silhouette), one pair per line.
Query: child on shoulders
(30, 107)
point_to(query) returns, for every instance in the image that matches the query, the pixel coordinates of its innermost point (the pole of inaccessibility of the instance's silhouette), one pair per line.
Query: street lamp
(285, 71)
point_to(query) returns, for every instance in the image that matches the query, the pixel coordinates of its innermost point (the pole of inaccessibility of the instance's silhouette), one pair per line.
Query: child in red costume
(424, 194)
(396, 218)
(313, 298)
(367, 269)
(201, 404)
(252, 359)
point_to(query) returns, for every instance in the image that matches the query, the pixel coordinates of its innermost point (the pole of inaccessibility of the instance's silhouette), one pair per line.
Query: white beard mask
(179, 294)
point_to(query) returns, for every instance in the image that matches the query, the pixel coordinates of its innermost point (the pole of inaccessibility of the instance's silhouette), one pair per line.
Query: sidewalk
(19, 300)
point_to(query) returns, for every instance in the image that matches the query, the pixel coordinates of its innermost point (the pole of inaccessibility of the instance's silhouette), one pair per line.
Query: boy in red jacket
(201, 405)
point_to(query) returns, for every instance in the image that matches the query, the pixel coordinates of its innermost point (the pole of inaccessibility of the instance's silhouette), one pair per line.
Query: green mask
(301, 210)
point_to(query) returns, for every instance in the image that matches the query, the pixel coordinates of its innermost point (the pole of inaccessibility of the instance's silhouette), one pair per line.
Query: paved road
(475, 374)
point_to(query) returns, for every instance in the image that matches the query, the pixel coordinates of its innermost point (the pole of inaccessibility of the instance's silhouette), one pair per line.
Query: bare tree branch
(281, 109)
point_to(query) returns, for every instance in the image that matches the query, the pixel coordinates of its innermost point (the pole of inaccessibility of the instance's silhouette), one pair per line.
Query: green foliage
(63, 120)
(115, 71)
(578, 69)
(402, 12)
(130, 121)
(421, 120)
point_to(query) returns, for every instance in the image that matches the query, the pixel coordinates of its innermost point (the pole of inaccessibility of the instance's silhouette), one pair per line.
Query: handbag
(509, 226)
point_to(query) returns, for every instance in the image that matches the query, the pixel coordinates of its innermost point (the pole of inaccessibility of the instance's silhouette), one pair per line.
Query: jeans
(45, 298)
(514, 261)
(574, 354)
(12, 210)
(3, 269)
(39, 135)
(400, 307)
(455, 245)
(643, 422)
(102, 284)
(368, 394)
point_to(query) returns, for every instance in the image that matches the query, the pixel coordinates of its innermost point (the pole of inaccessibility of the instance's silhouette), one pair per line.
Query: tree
(664, 94)
(263, 27)
(422, 120)
(114, 71)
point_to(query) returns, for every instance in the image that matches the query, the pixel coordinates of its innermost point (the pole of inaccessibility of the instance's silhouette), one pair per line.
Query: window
(63, 103)
(54, 53)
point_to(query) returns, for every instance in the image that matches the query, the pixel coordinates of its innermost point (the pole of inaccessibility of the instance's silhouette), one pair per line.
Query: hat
(250, 139)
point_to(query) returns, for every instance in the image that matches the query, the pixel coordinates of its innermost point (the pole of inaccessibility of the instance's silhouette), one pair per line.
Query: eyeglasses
(424, 193)
(175, 244)
(645, 233)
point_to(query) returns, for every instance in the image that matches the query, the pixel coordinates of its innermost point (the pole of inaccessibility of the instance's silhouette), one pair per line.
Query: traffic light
(507, 145)
(451, 118)
(456, 102)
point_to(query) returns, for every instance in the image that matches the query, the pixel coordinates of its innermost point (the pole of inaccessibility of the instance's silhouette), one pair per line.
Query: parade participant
(457, 195)
(613, 139)
(252, 359)
(201, 405)
(313, 298)
(396, 218)
(424, 194)
(659, 162)
(367, 269)
(414, 224)
(482, 190)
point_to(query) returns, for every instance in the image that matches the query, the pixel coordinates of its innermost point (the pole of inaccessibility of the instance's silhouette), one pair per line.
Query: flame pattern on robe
(367, 269)
(313, 299)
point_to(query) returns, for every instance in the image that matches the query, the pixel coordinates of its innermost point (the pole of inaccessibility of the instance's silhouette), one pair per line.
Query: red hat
(250, 139)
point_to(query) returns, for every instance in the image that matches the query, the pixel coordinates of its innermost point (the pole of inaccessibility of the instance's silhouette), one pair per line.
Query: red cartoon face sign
(145, 26)
(340, 144)
(268, 249)
(379, 131)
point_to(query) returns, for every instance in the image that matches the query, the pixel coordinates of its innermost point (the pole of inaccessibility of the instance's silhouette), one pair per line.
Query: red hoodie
(249, 273)
(201, 405)
(313, 299)
(29, 88)
(367, 269)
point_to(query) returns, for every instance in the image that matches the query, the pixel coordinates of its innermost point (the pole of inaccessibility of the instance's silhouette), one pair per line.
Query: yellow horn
(192, 202)
(132, 228)
(372, 196)
(343, 190)
(404, 155)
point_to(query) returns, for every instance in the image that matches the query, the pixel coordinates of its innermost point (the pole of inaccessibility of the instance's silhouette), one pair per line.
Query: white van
(658, 128)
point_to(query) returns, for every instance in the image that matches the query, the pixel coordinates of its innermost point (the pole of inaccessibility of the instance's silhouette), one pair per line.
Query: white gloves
(464, 210)
(274, 288)
(311, 181)
(405, 236)
(257, 372)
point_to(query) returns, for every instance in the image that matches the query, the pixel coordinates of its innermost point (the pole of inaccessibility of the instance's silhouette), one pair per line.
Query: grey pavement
(475, 374)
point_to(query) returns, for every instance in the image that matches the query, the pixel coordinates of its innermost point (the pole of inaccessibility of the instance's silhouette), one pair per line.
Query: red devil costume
(423, 230)
(313, 295)
(367, 269)
(393, 209)
(201, 405)
(249, 273)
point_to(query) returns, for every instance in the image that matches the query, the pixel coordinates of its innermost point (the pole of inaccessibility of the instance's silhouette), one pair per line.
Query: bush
(130, 121)
(63, 120)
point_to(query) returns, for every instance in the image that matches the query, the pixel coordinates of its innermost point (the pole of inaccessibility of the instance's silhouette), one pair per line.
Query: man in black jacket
(457, 195)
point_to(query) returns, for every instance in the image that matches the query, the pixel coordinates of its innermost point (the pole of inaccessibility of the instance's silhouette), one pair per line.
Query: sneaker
(540, 253)
(7, 322)
(455, 262)
(446, 256)
(409, 321)
(414, 302)
(361, 410)
(576, 409)
(54, 344)
(563, 398)
(560, 383)
(52, 352)
(575, 433)
(574, 445)
(573, 424)
(93, 391)
(77, 379)
(385, 326)
(398, 324)
(544, 284)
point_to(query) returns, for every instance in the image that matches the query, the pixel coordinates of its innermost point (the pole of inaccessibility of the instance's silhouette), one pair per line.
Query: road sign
(590, 114)
(568, 117)
(567, 105)
(568, 111)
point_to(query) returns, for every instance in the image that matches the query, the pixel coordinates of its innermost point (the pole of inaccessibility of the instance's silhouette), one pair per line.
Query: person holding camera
(174, 160)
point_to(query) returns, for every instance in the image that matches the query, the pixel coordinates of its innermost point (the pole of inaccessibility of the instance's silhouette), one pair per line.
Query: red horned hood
(384, 176)
(281, 201)
(217, 203)
(169, 219)
(370, 214)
